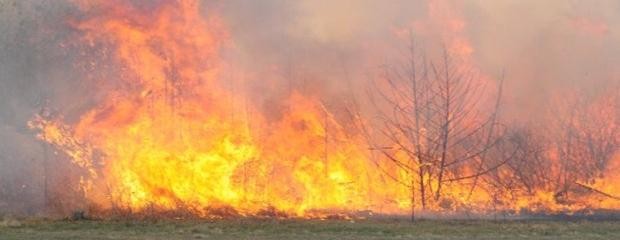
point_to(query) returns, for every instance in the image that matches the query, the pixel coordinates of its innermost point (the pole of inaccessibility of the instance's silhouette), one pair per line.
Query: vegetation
(311, 229)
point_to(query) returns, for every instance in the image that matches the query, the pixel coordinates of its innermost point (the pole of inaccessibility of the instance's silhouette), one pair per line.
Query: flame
(164, 138)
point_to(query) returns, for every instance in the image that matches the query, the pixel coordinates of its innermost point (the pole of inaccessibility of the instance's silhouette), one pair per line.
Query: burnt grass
(246, 228)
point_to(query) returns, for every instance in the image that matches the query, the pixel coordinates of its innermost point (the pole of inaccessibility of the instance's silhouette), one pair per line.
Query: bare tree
(584, 135)
(432, 125)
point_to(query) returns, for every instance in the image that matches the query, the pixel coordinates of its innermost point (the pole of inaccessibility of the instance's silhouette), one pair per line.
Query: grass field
(310, 229)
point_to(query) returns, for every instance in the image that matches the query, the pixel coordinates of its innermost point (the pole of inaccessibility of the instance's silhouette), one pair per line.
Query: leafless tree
(584, 136)
(432, 124)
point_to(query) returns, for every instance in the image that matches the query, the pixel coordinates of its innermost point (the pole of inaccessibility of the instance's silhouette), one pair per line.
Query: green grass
(311, 229)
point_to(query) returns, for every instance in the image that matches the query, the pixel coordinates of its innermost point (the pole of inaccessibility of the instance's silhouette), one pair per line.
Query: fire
(163, 138)
(166, 140)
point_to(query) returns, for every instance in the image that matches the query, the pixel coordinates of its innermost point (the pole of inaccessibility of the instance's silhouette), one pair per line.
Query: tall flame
(163, 137)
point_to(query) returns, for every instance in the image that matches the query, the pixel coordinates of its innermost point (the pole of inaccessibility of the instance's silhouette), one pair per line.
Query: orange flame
(164, 139)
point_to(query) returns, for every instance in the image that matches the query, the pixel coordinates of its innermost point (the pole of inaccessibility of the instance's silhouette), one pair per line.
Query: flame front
(166, 140)
(163, 137)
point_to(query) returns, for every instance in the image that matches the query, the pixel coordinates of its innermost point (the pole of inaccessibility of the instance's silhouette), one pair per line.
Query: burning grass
(312, 229)
(163, 136)
(169, 134)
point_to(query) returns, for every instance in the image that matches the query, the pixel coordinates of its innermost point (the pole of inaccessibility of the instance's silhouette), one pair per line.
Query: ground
(309, 229)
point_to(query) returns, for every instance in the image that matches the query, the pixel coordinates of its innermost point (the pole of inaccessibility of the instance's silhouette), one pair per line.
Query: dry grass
(310, 229)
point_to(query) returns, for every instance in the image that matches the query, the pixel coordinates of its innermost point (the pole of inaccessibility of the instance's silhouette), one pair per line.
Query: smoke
(32, 69)
(541, 47)
(318, 47)
(545, 46)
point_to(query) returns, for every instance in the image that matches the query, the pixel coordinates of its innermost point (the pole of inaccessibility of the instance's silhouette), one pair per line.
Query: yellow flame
(165, 139)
